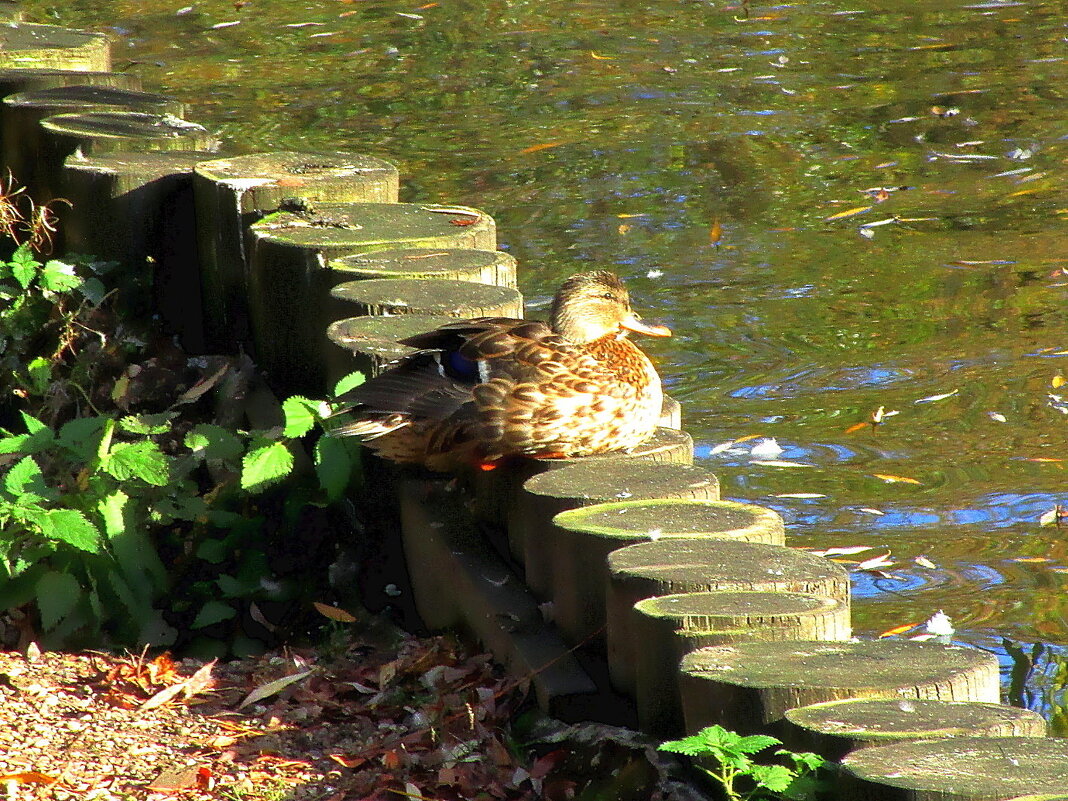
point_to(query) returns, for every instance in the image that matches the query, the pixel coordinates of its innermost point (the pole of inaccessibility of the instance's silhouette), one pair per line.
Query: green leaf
(142, 459)
(211, 613)
(40, 373)
(333, 466)
(755, 743)
(265, 465)
(25, 478)
(82, 435)
(213, 442)
(351, 381)
(772, 777)
(33, 425)
(69, 526)
(58, 276)
(113, 509)
(804, 760)
(23, 266)
(147, 423)
(214, 551)
(231, 587)
(93, 290)
(57, 596)
(300, 413)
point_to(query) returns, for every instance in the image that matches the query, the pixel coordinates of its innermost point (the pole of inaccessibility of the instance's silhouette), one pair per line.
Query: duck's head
(590, 306)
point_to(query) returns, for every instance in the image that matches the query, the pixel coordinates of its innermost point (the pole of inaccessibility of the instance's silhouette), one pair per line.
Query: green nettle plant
(744, 779)
(119, 524)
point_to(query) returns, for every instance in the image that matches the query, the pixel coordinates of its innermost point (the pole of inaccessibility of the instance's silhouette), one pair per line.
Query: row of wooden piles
(670, 609)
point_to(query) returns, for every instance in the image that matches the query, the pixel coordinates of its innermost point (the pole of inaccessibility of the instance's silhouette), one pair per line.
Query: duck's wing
(437, 381)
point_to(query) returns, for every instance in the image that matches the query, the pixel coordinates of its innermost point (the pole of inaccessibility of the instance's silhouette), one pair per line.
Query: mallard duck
(479, 390)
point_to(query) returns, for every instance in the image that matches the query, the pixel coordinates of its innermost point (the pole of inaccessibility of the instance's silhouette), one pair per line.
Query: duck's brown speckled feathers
(481, 389)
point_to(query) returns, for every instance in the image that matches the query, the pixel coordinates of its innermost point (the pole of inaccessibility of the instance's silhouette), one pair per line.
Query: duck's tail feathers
(371, 428)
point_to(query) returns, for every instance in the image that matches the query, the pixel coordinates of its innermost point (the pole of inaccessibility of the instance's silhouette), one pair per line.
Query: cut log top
(484, 266)
(671, 517)
(31, 36)
(121, 124)
(382, 224)
(301, 172)
(379, 336)
(395, 296)
(868, 665)
(679, 565)
(145, 165)
(80, 96)
(24, 80)
(917, 718)
(957, 769)
(623, 479)
(712, 611)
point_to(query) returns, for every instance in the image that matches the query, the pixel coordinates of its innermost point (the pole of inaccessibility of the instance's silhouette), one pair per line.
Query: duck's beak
(633, 322)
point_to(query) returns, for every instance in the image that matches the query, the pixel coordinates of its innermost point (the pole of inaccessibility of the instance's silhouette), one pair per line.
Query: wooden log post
(232, 193)
(479, 266)
(578, 559)
(495, 491)
(24, 152)
(289, 277)
(585, 483)
(674, 566)
(957, 769)
(442, 297)
(835, 728)
(748, 687)
(368, 344)
(458, 582)
(26, 45)
(670, 626)
(25, 80)
(98, 132)
(137, 209)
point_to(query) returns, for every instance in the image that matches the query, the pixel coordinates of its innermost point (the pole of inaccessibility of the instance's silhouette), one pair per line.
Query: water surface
(838, 208)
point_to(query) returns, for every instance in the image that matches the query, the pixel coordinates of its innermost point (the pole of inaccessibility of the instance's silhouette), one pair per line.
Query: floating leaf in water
(849, 213)
(898, 630)
(1058, 381)
(623, 228)
(779, 463)
(856, 427)
(923, 561)
(997, 417)
(848, 550)
(933, 398)
(870, 511)
(602, 58)
(876, 562)
(891, 479)
(715, 234)
(536, 148)
(804, 496)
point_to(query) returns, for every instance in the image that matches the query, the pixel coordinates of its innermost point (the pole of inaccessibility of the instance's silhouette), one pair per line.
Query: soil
(374, 714)
(386, 715)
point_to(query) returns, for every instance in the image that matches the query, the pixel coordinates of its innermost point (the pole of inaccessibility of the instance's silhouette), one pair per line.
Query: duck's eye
(608, 296)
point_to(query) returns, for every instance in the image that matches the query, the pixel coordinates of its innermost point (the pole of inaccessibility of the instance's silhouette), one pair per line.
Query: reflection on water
(888, 184)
